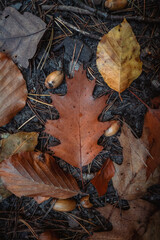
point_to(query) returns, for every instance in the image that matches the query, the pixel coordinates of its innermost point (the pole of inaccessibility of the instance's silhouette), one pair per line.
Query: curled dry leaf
(130, 177)
(79, 137)
(13, 90)
(37, 174)
(102, 178)
(64, 205)
(48, 235)
(114, 5)
(127, 225)
(20, 34)
(118, 57)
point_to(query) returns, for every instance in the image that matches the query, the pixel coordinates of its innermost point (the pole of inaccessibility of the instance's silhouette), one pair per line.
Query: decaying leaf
(102, 178)
(127, 225)
(18, 142)
(153, 229)
(14, 143)
(130, 177)
(78, 127)
(118, 57)
(13, 91)
(20, 34)
(152, 126)
(36, 174)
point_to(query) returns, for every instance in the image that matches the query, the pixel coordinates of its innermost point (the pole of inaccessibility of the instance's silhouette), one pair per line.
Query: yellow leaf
(118, 57)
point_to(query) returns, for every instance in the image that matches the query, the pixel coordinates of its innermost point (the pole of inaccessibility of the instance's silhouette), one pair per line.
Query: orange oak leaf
(78, 128)
(102, 178)
(152, 125)
(36, 174)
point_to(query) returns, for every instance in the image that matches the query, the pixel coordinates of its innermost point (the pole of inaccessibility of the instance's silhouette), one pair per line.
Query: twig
(90, 9)
(36, 100)
(79, 30)
(26, 122)
(68, 8)
(86, 10)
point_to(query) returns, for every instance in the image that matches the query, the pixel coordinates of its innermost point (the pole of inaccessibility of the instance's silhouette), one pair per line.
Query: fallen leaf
(118, 57)
(20, 34)
(130, 177)
(18, 142)
(48, 235)
(152, 125)
(37, 174)
(127, 224)
(14, 143)
(153, 229)
(12, 88)
(78, 127)
(102, 178)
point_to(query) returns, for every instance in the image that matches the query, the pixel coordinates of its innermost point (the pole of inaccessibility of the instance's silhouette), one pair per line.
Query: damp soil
(83, 222)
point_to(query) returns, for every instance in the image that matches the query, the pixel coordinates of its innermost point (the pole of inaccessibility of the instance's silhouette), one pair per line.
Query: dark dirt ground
(40, 217)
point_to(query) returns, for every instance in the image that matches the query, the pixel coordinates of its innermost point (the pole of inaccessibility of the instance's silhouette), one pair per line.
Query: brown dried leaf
(78, 127)
(152, 126)
(128, 224)
(20, 34)
(14, 143)
(102, 178)
(130, 177)
(13, 91)
(118, 57)
(37, 174)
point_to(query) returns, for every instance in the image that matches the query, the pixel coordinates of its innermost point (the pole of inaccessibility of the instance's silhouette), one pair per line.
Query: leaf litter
(143, 169)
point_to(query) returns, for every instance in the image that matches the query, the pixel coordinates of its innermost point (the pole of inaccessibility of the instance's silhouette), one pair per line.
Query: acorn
(114, 5)
(85, 202)
(113, 129)
(54, 79)
(64, 205)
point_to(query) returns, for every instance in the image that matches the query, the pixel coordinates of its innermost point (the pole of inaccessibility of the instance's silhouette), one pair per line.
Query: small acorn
(114, 5)
(85, 202)
(113, 129)
(54, 79)
(64, 205)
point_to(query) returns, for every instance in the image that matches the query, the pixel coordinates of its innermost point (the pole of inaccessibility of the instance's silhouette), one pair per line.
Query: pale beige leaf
(118, 57)
(13, 90)
(20, 34)
(130, 177)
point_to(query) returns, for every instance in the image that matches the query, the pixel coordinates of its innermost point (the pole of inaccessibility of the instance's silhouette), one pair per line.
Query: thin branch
(90, 35)
(86, 10)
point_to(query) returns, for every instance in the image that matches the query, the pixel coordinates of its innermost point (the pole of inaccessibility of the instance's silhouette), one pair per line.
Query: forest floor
(24, 218)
